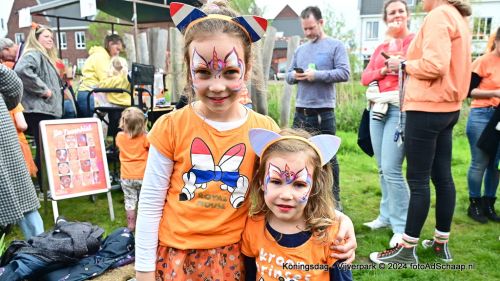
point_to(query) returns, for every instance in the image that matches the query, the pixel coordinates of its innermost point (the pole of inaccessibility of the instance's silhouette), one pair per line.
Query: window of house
(410, 2)
(371, 30)
(481, 28)
(19, 37)
(80, 39)
(66, 62)
(63, 41)
(80, 63)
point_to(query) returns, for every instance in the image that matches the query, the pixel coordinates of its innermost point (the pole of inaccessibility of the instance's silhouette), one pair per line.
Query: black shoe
(489, 208)
(475, 210)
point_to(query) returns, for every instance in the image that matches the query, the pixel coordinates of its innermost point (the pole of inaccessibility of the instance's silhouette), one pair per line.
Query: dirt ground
(123, 273)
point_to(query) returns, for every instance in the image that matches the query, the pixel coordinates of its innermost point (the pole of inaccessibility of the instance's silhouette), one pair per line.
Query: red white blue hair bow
(185, 16)
(326, 146)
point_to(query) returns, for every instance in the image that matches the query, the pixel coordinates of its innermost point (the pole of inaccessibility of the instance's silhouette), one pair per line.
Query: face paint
(201, 69)
(288, 177)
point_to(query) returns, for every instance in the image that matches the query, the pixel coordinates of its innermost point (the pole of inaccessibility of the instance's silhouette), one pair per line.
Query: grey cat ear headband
(185, 16)
(325, 145)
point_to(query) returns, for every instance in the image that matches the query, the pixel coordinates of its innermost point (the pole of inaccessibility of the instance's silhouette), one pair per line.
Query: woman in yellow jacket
(439, 65)
(95, 71)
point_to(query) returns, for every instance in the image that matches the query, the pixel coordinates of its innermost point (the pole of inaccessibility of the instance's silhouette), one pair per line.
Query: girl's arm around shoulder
(347, 236)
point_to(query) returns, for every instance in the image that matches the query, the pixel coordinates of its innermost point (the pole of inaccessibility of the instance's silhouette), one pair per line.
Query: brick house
(72, 35)
(287, 24)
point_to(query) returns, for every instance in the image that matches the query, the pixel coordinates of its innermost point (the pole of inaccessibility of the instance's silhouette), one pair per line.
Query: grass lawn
(472, 244)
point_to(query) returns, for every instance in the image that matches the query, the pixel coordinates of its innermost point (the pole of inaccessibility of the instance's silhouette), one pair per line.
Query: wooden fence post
(128, 39)
(286, 99)
(177, 75)
(142, 43)
(158, 43)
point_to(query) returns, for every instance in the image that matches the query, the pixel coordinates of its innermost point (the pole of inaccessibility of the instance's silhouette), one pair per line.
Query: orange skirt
(28, 158)
(224, 263)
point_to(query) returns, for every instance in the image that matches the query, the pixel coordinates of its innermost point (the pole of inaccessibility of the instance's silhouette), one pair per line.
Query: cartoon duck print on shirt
(204, 170)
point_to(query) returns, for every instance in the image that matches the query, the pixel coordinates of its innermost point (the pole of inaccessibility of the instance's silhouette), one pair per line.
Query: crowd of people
(210, 203)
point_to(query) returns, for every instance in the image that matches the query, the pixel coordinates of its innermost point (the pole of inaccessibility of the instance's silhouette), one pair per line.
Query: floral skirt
(223, 263)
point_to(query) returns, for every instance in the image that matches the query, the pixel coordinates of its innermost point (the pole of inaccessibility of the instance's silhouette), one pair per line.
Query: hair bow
(185, 16)
(35, 25)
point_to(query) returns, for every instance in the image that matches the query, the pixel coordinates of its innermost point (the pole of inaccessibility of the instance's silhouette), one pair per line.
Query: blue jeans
(323, 123)
(389, 156)
(84, 110)
(31, 225)
(482, 166)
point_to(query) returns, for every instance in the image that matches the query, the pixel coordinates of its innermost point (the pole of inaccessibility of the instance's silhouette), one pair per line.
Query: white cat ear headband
(325, 145)
(185, 16)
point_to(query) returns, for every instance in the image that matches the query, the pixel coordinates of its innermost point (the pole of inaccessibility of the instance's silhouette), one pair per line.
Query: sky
(347, 8)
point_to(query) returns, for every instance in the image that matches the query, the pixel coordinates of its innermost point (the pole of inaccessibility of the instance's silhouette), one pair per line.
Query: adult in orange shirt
(438, 64)
(134, 147)
(485, 93)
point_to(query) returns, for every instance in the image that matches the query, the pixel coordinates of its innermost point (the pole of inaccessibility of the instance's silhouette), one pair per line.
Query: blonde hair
(117, 66)
(133, 122)
(207, 28)
(32, 43)
(462, 6)
(319, 211)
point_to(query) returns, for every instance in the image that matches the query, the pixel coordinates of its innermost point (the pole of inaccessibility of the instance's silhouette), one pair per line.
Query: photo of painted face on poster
(62, 155)
(65, 181)
(63, 168)
(70, 141)
(82, 140)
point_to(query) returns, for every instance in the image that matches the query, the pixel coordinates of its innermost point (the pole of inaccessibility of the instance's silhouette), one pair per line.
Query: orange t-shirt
(206, 204)
(274, 260)
(133, 155)
(488, 68)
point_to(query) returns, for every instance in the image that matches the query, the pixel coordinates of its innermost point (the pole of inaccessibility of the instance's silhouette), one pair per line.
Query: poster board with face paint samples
(75, 157)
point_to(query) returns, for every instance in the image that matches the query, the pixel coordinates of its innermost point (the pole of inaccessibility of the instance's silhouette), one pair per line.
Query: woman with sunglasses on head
(37, 68)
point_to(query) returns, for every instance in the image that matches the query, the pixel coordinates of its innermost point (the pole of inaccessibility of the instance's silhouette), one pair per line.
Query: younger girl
(134, 147)
(292, 220)
(193, 205)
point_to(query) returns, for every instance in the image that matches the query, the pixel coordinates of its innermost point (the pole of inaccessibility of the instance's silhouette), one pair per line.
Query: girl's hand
(47, 94)
(145, 276)
(346, 233)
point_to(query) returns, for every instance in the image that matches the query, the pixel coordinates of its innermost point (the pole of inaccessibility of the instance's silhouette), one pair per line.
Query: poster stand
(75, 157)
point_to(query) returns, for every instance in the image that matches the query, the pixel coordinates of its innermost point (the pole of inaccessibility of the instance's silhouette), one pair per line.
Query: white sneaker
(397, 238)
(376, 224)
